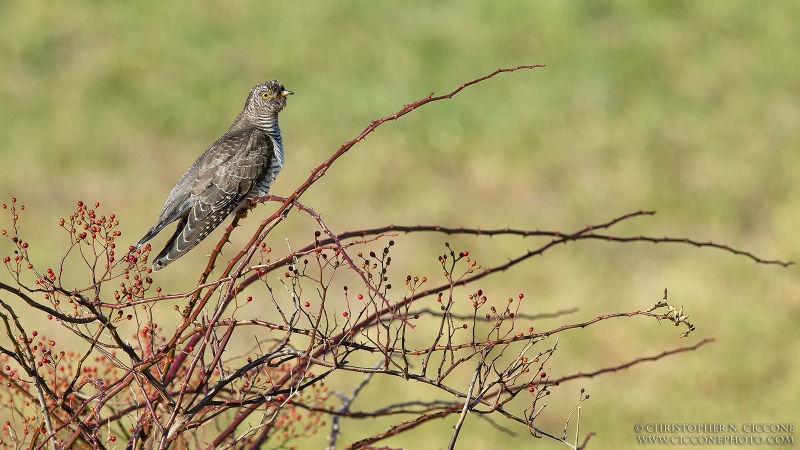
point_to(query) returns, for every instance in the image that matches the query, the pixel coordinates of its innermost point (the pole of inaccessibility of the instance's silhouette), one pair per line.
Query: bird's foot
(242, 213)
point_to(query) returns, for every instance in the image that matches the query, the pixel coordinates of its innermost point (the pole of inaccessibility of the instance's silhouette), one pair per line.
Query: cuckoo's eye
(265, 95)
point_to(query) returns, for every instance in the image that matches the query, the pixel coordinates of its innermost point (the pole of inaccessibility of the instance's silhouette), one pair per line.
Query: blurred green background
(689, 108)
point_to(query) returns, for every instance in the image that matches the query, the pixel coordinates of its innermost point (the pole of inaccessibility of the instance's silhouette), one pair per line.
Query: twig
(463, 415)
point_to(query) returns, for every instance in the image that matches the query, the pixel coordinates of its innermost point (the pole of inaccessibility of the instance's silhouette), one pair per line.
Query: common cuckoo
(241, 165)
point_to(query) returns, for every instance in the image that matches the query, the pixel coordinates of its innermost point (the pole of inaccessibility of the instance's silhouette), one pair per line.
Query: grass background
(689, 108)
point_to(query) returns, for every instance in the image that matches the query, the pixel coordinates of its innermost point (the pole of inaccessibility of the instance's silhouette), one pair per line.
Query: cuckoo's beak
(286, 93)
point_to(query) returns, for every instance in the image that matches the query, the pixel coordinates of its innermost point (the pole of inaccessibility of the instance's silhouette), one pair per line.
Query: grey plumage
(240, 165)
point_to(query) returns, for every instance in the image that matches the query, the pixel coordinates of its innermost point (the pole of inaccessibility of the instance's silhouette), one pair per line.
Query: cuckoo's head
(267, 98)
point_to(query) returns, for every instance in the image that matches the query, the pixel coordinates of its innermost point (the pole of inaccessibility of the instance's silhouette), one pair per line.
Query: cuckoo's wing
(179, 201)
(224, 178)
(177, 204)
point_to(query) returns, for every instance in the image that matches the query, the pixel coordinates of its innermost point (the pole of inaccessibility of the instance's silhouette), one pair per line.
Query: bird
(240, 166)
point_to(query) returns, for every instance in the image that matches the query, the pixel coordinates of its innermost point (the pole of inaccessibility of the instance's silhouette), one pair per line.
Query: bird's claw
(242, 213)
